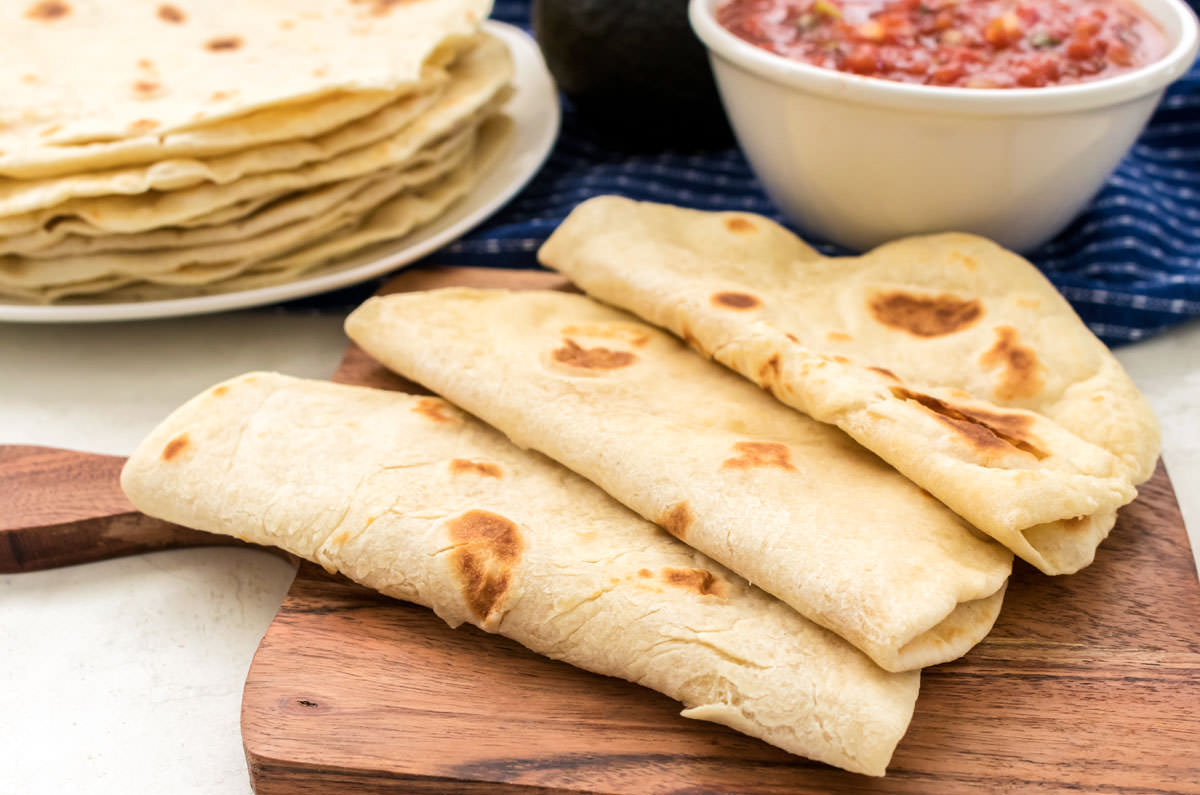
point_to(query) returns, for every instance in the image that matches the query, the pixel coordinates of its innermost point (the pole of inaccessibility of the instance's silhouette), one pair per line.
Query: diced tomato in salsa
(971, 43)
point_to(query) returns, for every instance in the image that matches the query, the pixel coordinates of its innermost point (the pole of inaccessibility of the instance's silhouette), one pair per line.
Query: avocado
(637, 75)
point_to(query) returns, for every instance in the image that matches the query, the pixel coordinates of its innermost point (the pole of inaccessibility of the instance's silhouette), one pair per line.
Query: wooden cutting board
(1089, 683)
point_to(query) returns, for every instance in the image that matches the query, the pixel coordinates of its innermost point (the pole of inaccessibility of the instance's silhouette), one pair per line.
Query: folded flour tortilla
(408, 496)
(791, 504)
(951, 358)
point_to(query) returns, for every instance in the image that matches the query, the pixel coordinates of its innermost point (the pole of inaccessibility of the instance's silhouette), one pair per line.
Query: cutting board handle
(61, 507)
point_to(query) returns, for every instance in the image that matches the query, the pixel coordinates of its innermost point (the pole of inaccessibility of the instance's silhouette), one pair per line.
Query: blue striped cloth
(1130, 264)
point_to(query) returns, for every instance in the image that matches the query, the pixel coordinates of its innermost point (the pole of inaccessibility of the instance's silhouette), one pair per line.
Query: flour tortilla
(392, 219)
(249, 222)
(26, 196)
(235, 212)
(64, 228)
(409, 496)
(90, 70)
(278, 123)
(480, 85)
(173, 265)
(793, 505)
(951, 358)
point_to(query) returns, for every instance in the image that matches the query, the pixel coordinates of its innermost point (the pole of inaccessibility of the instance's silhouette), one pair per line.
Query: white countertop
(126, 675)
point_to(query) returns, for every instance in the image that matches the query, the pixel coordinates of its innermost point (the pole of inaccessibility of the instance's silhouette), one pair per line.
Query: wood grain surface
(1089, 683)
(61, 507)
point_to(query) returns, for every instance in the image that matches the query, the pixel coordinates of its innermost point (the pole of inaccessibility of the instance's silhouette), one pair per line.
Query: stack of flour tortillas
(154, 149)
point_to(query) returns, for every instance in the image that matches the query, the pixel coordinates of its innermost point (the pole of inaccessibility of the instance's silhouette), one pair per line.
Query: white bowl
(860, 160)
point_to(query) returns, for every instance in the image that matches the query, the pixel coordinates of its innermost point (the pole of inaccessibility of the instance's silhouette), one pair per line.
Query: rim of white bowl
(1173, 16)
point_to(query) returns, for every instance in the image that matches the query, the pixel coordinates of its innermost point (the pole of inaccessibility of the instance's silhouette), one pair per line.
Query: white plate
(535, 113)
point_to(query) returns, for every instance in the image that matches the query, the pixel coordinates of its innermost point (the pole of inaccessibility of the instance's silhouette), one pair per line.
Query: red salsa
(971, 43)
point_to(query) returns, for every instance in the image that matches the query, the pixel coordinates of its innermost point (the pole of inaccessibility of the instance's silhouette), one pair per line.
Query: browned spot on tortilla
(1021, 372)
(925, 316)
(172, 14)
(143, 125)
(768, 373)
(739, 225)
(729, 299)
(461, 466)
(677, 519)
(792, 337)
(702, 582)
(224, 44)
(341, 538)
(30, 78)
(219, 96)
(175, 447)
(838, 336)
(145, 63)
(984, 430)
(573, 354)
(286, 24)
(320, 71)
(1097, 398)
(839, 359)
(433, 409)
(223, 389)
(487, 548)
(962, 259)
(634, 336)
(885, 372)
(146, 87)
(53, 128)
(48, 10)
(1029, 303)
(645, 573)
(760, 454)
